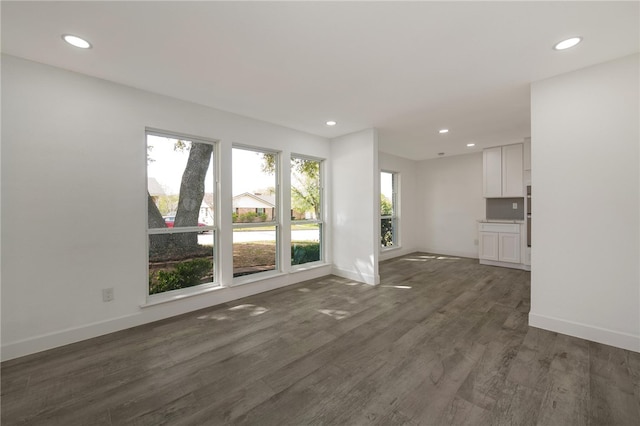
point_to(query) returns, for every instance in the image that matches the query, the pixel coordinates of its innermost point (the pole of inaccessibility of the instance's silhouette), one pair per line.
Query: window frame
(395, 210)
(213, 228)
(276, 220)
(320, 220)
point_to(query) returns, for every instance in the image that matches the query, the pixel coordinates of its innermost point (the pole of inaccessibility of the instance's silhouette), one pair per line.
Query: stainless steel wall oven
(528, 215)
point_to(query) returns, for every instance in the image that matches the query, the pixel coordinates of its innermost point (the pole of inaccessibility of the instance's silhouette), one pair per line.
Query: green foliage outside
(305, 183)
(386, 226)
(386, 207)
(305, 186)
(249, 217)
(386, 233)
(186, 274)
(305, 252)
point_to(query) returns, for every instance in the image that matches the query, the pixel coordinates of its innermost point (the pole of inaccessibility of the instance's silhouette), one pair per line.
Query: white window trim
(320, 221)
(277, 222)
(181, 294)
(395, 216)
(154, 299)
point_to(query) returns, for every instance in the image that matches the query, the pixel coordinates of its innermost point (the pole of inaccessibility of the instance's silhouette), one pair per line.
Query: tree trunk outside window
(192, 192)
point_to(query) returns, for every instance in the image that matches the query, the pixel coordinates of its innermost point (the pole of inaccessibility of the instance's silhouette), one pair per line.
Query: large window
(255, 211)
(388, 209)
(181, 212)
(306, 210)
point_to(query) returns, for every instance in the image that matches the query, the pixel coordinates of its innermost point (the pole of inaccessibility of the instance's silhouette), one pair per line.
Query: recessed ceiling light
(443, 131)
(471, 144)
(566, 44)
(331, 123)
(76, 41)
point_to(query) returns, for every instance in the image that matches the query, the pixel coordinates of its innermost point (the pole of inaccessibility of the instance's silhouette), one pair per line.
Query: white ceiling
(407, 69)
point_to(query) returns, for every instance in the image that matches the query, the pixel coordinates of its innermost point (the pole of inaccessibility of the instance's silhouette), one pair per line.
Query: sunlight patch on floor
(246, 306)
(259, 310)
(425, 258)
(217, 317)
(253, 309)
(335, 313)
(397, 286)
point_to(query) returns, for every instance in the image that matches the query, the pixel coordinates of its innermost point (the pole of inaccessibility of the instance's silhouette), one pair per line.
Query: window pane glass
(254, 250)
(305, 243)
(180, 183)
(386, 232)
(305, 189)
(180, 260)
(386, 194)
(254, 186)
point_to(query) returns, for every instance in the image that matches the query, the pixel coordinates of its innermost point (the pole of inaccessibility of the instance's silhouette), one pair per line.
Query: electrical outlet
(515, 206)
(107, 294)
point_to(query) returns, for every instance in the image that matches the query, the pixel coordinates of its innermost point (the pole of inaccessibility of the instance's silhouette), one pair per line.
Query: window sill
(163, 298)
(160, 299)
(388, 249)
(308, 267)
(257, 277)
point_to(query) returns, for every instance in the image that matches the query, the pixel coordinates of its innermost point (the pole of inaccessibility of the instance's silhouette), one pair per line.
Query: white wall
(74, 202)
(451, 202)
(585, 253)
(355, 204)
(409, 205)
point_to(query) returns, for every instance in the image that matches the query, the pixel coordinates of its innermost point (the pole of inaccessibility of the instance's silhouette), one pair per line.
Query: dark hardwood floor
(442, 341)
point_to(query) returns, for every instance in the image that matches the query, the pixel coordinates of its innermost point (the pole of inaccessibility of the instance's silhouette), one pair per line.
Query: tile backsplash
(502, 208)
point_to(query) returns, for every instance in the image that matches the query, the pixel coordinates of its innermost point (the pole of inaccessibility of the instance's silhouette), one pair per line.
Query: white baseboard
(470, 255)
(356, 276)
(506, 264)
(56, 339)
(395, 252)
(588, 332)
(154, 312)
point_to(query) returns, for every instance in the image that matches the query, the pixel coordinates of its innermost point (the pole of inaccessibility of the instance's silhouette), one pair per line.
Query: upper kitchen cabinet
(503, 171)
(492, 166)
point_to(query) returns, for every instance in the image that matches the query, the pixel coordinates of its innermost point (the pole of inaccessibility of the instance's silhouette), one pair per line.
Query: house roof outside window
(247, 200)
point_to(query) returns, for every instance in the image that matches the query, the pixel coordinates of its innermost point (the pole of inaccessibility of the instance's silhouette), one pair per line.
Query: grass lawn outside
(248, 258)
(294, 227)
(261, 253)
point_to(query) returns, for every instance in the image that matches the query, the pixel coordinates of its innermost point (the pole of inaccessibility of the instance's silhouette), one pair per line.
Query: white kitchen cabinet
(512, 171)
(488, 246)
(509, 247)
(503, 170)
(500, 244)
(492, 167)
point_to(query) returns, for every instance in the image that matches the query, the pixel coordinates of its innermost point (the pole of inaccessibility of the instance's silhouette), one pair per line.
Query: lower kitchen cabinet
(499, 244)
(509, 247)
(488, 246)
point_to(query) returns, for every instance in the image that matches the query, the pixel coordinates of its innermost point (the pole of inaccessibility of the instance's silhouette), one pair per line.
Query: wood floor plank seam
(441, 341)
